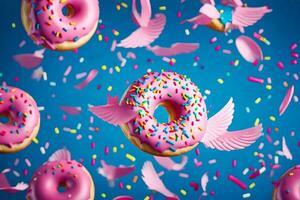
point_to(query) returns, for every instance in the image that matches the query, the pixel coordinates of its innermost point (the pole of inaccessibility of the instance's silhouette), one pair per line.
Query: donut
(61, 179)
(60, 24)
(287, 188)
(23, 119)
(183, 102)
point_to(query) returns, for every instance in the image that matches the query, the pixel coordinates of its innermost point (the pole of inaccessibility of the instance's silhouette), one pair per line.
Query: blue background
(281, 28)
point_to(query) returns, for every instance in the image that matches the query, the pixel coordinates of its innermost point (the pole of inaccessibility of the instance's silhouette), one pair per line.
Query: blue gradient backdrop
(281, 28)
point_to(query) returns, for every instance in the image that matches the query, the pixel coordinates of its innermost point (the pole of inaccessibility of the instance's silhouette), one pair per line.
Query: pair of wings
(242, 16)
(218, 137)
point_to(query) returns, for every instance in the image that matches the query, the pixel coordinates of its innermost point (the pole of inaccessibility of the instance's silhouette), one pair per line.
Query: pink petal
(286, 100)
(248, 49)
(28, 61)
(71, 110)
(90, 77)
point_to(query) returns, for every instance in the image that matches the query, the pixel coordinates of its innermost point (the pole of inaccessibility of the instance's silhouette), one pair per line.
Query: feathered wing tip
(169, 164)
(175, 49)
(144, 36)
(112, 112)
(62, 154)
(153, 182)
(5, 186)
(236, 140)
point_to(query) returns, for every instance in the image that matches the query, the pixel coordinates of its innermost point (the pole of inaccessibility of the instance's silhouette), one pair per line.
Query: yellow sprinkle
(104, 67)
(285, 84)
(163, 8)
(73, 131)
(122, 146)
(13, 25)
(100, 37)
(267, 58)
(109, 88)
(56, 130)
(35, 140)
(118, 6)
(220, 81)
(116, 33)
(62, 1)
(173, 60)
(128, 187)
(255, 153)
(135, 179)
(258, 100)
(117, 68)
(272, 118)
(94, 156)
(124, 5)
(130, 157)
(147, 198)
(183, 192)
(256, 122)
(236, 62)
(115, 149)
(268, 87)
(103, 195)
(252, 185)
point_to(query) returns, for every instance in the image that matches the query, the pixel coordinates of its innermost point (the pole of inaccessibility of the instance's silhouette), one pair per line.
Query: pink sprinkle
(296, 77)
(93, 145)
(237, 182)
(106, 150)
(25, 172)
(197, 58)
(254, 175)
(194, 185)
(105, 38)
(260, 67)
(226, 51)
(295, 55)
(294, 62)
(135, 66)
(102, 26)
(293, 46)
(255, 63)
(212, 161)
(27, 162)
(218, 173)
(197, 163)
(197, 152)
(212, 193)
(255, 80)
(275, 166)
(93, 162)
(120, 185)
(233, 163)
(179, 14)
(213, 40)
(280, 65)
(217, 48)
(268, 130)
(67, 72)
(22, 43)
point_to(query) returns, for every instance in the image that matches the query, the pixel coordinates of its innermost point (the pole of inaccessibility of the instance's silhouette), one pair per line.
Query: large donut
(61, 180)
(288, 186)
(23, 119)
(186, 108)
(46, 24)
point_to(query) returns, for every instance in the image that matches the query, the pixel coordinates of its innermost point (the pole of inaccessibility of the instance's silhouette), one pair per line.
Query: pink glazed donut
(23, 119)
(61, 179)
(47, 24)
(288, 187)
(184, 103)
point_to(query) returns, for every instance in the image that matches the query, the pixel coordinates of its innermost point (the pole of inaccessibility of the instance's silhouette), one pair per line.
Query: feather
(286, 100)
(204, 181)
(5, 186)
(62, 154)
(153, 182)
(169, 164)
(176, 48)
(285, 150)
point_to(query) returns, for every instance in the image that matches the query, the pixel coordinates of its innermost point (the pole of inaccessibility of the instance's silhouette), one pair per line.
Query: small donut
(61, 180)
(184, 103)
(47, 24)
(288, 186)
(23, 119)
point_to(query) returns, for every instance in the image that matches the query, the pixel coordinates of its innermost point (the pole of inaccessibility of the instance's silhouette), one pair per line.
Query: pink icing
(49, 177)
(23, 113)
(50, 26)
(289, 185)
(183, 95)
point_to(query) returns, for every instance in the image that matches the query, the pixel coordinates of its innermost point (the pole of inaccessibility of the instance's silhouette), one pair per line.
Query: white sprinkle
(261, 146)
(41, 108)
(47, 145)
(6, 170)
(45, 76)
(78, 137)
(262, 170)
(42, 149)
(17, 174)
(52, 83)
(68, 70)
(247, 109)
(245, 171)
(183, 175)
(276, 160)
(80, 75)
(213, 161)
(78, 126)
(187, 31)
(246, 195)
(28, 163)
(81, 60)
(16, 162)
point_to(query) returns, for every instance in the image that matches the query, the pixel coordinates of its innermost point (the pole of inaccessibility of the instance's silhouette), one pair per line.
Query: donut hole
(65, 185)
(68, 11)
(165, 112)
(4, 119)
